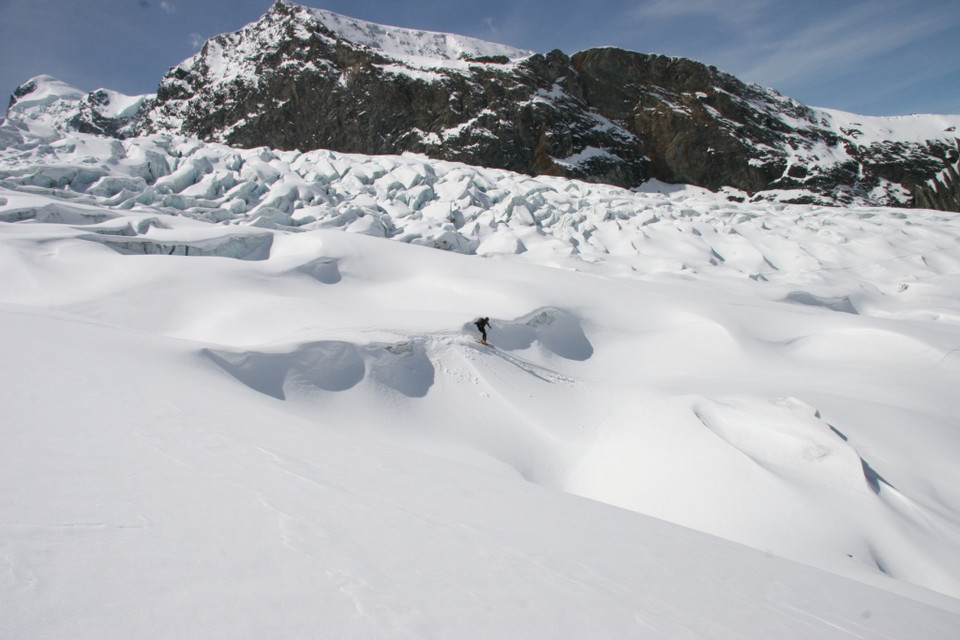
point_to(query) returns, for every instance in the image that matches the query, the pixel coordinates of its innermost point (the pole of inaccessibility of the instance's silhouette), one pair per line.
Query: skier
(482, 325)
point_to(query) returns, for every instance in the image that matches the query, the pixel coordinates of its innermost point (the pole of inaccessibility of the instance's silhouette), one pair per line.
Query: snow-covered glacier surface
(243, 397)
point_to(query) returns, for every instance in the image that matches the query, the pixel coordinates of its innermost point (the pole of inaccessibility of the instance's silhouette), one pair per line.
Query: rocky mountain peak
(415, 47)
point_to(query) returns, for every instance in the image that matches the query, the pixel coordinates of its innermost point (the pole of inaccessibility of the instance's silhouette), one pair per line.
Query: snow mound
(330, 366)
(42, 91)
(557, 331)
(785, 437)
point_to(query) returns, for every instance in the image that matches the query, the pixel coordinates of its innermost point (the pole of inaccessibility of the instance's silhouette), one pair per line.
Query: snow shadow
(56, 213)
(556, 330)
(330, 366)
(787, 437)
(842, 304)
(403, 367)
(246, 246)
(874, 479)
(326, 270)
(127, 227)
(327, 366)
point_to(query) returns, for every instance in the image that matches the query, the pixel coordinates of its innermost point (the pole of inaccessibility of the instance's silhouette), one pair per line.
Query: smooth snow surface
(243, 397)
(428, 48)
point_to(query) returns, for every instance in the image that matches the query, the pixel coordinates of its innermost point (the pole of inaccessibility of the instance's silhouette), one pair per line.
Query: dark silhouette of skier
(482, 325)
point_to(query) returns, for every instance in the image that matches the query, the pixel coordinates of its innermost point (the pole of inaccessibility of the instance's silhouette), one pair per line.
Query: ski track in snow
(275, 335)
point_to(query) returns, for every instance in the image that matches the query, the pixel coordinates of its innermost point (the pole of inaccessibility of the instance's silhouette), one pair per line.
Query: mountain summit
(303, 78)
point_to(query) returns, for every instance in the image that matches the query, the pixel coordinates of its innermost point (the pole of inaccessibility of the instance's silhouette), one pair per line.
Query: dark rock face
(23, 90)
(704, 127)
(690, 119)
(290, 81)
(90, 117)
(943, 190)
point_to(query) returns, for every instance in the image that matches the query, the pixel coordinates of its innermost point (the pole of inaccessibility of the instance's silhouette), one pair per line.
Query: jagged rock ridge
(303, 78)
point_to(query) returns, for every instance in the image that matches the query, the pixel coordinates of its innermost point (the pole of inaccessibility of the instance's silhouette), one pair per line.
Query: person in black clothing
(482, 325)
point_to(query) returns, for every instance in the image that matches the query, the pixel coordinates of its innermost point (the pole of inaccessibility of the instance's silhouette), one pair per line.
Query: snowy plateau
(243, 397)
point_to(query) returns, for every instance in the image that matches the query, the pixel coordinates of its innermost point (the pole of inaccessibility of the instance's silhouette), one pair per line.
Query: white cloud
(196, 40)
(169, 7)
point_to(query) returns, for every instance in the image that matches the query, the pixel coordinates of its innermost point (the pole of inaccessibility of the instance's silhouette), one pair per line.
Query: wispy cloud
(768, 42)
(859, 34)
(727, 10)
(852, 52)
(169, 7)
(708, 28)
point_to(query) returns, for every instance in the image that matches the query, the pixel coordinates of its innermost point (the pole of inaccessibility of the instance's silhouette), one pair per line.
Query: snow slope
(243, 398)
(414, 47)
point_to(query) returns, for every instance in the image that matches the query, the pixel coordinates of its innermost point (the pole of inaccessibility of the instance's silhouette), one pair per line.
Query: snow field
(189, 509)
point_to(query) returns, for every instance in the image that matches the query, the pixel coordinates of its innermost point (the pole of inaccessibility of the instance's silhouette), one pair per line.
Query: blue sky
(878, 57)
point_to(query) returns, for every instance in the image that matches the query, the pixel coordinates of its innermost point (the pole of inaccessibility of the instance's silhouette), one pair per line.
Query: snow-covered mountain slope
(239, 57)
(49, 107)
(236, 389)
(411, 47)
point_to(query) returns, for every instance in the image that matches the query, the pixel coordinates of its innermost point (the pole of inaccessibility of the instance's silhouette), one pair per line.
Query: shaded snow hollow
(243, 396)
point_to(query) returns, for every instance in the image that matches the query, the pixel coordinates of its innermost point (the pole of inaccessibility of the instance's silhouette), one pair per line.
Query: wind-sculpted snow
(556, 330)
(330, 366)
(788, 439)
(477, 211)
(57, 213)
(252, 372)
(244, 246)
